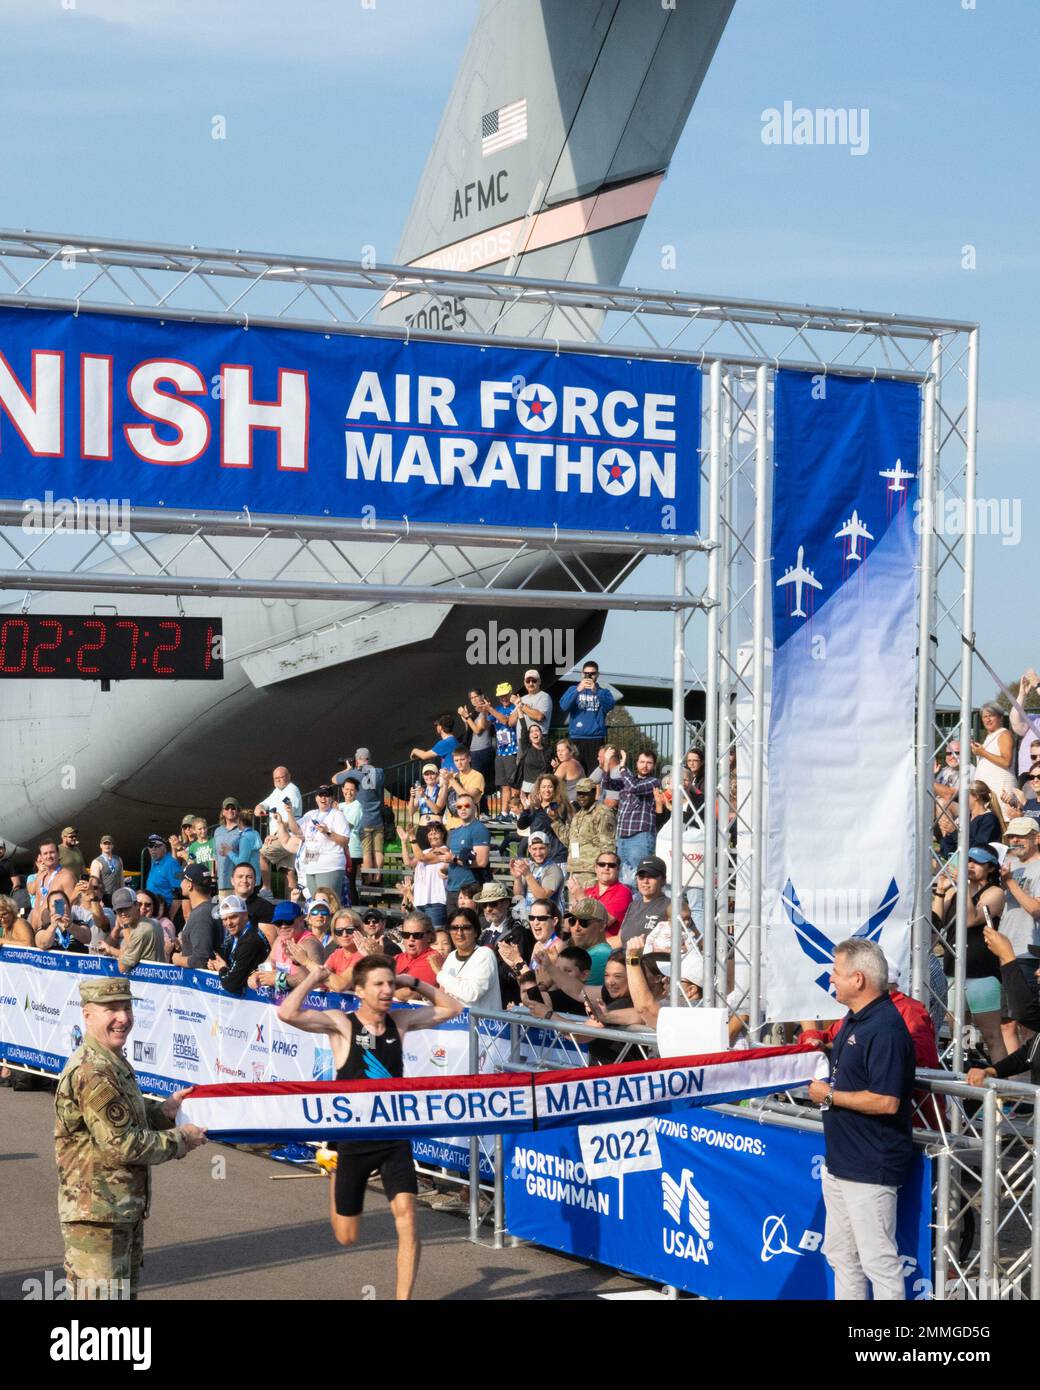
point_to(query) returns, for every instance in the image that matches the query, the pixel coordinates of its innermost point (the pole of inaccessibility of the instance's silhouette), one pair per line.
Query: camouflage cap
(588, 910)
(105, 991)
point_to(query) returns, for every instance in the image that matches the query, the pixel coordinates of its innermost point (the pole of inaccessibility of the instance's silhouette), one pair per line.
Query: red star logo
(615, 472)
(535, 406)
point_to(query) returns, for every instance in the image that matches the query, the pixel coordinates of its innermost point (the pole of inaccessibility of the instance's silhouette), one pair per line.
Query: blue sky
(331, 106)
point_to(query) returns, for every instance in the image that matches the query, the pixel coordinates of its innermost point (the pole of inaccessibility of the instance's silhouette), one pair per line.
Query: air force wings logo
(676, 1195)
(818, 946)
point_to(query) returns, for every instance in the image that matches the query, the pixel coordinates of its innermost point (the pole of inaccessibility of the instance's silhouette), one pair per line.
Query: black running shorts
(355, 1164)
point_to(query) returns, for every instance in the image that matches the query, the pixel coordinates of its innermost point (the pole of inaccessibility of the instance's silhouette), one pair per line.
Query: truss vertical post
(723, 852)
(711, 691)
(966, 658)
(758, 695)
(921, 930)
(678, 726)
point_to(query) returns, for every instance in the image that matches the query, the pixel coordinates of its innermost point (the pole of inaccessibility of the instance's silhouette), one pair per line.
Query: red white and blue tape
(500, 1103)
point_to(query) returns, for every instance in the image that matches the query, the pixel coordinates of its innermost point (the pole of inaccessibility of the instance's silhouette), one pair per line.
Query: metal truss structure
(738, 343)
(943, 358)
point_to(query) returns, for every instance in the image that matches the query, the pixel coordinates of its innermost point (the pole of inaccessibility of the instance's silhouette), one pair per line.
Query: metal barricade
(982, 1140)
(528, 1051)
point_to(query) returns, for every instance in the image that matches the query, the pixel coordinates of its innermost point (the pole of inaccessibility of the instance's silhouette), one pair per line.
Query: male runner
(366, 1046)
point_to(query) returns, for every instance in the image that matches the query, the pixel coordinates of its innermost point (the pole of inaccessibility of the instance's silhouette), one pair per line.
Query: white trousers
(860, 1239)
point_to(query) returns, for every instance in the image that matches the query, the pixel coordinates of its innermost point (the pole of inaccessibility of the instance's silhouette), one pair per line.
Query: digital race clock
(107, 648)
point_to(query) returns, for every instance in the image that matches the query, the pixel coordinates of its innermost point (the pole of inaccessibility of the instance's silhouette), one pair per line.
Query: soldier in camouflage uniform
(105, 1137)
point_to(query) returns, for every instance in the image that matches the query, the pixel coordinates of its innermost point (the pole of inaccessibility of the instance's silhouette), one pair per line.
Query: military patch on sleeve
(102, 1100)
(116, 1114)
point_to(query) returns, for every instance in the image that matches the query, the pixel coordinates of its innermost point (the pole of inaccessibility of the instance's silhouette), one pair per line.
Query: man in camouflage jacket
(590, 831)
(105, 1137)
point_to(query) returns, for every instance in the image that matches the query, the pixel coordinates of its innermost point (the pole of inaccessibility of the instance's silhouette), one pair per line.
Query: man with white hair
(285, 796)
(867, 1110)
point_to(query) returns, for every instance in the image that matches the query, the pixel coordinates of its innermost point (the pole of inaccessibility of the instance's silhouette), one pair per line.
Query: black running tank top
(372, 1056)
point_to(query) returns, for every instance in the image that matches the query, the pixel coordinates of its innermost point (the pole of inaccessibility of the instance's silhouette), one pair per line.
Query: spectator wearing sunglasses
(586, 706)
(324, 837)
(282, 971)
(345, 929)
(1026, 802)
(587, 920)
(544, 923)
(142, 937)
(373, 926)
(464, 781)
(608, 889)
(502, 926)
(534, 706)
(417, 956)
(317, 919)
(470, 974)
(243, 949)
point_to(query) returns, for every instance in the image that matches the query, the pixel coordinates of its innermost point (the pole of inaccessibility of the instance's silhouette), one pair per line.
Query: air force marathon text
(286, 421)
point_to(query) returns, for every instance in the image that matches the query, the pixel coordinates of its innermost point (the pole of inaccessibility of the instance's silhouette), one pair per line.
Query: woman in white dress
(994, 755)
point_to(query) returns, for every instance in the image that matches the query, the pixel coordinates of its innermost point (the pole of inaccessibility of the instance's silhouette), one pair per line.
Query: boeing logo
(774, 1240)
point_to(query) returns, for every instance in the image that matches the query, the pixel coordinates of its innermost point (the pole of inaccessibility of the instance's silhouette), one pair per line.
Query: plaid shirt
(635, 813)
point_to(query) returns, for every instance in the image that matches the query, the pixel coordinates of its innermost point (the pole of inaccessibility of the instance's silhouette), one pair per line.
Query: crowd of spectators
(522, 869)
(1002, 870)
(526, 865)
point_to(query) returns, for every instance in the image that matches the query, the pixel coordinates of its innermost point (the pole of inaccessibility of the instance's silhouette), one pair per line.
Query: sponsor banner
(187, 1030)
(286, 421)
(712, 1204)
(840, 850)
(442, 1153)
(496, 1104)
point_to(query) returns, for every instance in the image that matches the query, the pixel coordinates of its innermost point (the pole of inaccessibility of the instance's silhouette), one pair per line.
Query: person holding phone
(586, 706)
(60, 932)
(1024, 1004)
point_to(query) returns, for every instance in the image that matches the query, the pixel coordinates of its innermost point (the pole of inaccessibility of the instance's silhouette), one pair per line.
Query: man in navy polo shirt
(866, 1123)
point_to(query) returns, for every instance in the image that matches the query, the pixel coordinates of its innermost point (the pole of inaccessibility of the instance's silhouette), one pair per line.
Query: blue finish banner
(843, 678)
(301, 423)
(712, 1204)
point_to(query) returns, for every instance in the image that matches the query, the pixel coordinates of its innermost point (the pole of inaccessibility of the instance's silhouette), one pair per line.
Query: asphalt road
(222, 1227)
